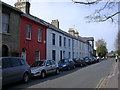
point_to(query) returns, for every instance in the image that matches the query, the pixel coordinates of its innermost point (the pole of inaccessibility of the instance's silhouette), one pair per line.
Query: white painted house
(61, 45)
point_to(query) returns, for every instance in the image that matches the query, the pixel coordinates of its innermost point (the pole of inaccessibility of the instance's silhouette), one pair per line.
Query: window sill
(39, 41)
(6, 34)
(28, 39)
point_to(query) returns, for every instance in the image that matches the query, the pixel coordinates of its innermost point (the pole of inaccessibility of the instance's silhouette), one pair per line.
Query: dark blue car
(66, 64)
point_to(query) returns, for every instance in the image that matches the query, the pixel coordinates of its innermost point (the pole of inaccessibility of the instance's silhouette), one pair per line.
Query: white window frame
(37, 58)
(28, 31)
(69, 43)
(64, 41)
(39, 35)
(53, 39)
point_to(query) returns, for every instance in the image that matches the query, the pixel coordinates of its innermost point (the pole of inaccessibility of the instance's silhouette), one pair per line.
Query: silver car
(44, 67)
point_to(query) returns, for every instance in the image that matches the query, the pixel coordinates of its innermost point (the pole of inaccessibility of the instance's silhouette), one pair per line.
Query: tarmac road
(86, 77)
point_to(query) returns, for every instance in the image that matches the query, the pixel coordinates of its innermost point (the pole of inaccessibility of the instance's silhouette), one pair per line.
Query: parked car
(14, 69)
(44, 67)
(97, 59)
(92, 60)
(66, 64)
(87, 60)
(79, 62)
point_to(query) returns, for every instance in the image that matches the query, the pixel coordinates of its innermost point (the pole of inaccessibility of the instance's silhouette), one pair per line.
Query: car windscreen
(63, 61)
(77, 59)
(38, 63)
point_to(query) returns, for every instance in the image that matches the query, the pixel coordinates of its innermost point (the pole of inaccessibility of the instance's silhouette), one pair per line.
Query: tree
(106, 11)
(101, 48)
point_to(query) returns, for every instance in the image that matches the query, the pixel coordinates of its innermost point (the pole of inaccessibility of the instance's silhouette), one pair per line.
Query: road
(85, 77)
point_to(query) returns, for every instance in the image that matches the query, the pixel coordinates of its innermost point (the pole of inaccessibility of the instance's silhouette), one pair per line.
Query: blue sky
(72, 15)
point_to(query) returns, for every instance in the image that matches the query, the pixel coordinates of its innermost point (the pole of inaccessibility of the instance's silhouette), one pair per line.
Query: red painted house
(33, 39)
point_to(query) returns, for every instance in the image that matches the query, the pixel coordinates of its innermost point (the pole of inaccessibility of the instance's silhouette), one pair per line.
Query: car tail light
(77, 61)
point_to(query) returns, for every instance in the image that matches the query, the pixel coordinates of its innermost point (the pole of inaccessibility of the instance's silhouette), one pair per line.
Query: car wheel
(68, 67)
(57, 71)
(43, 74)
(74, 67)
(26, 78)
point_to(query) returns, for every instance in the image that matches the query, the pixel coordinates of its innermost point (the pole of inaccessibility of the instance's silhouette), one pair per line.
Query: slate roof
(34, 18)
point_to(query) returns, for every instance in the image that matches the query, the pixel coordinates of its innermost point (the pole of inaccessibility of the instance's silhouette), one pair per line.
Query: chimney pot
(55, 23)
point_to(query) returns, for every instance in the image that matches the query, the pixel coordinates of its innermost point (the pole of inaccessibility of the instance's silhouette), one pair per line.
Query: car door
(53, 68)
(71, 63)
(16, 69)
(48, 66)
(6, 71)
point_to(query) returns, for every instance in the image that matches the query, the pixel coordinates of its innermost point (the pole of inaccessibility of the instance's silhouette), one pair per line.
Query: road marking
(100, 82)
(104, 81)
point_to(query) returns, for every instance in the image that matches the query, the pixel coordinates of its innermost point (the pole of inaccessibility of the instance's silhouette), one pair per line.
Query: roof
(88, 38)
(34, 18)
(11, 7)
(51, 26)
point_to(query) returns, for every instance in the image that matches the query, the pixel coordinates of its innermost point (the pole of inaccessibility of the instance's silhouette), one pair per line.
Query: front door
(23, 53)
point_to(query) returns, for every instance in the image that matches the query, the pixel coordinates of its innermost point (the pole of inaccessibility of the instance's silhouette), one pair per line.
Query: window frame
(60, 41)
(53, 38)
(37, 58)
(64, 41)
(69, 41)
(39, 35)
(30, 31)
(5, 23)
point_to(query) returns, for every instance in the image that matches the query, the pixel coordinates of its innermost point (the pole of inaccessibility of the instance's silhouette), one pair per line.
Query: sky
(72, 15)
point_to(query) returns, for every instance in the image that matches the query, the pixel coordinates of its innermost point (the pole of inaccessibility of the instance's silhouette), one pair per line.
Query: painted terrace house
(35, 39)
(23, 35)
(61, 45)
(33, 35)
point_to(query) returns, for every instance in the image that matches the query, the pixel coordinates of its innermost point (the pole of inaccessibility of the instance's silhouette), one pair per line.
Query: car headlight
(34, 71)
(64, 65)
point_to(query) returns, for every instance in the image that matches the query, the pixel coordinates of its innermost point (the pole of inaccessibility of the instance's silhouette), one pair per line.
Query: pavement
(113, 79)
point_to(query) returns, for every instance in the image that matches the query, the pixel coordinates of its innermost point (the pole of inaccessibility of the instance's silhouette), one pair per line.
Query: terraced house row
(27, 36)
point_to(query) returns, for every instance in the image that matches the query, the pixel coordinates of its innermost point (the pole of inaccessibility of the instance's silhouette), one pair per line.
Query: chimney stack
(76, 33)
(71, 31)
(55, 23)
(23, 5)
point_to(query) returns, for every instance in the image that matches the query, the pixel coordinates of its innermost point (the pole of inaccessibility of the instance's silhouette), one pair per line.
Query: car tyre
(57, 71)
(68, 68)
(43, 74)
(74, 67)
(25, 77)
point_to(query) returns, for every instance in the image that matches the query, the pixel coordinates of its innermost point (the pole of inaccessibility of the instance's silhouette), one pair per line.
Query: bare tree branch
(109, 17)
(100, 15)
(87, 3)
